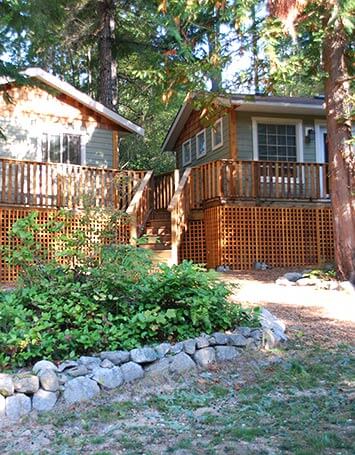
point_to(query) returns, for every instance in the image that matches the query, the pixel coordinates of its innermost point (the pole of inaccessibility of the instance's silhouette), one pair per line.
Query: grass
(300, 406)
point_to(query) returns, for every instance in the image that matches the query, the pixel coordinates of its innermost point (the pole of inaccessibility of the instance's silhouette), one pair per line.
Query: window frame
(200, 133)
(278, 121)
(184, 163)
(220, 144)
(61, 136)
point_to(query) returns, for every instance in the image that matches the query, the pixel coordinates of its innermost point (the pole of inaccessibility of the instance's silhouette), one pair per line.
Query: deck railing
(164, 188)
(38, 184)
(179, 208)
(141, 206)
(259, 180)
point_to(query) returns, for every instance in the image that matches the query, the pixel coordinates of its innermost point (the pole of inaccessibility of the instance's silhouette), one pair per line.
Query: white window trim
(198, 155)
(220, 144)
(318, 124)
(278, 121)
(60, 130)
(184, 163)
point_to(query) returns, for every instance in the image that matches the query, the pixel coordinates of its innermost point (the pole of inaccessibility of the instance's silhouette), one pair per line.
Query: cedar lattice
(193, 245)
(50, 241)
(282, 237)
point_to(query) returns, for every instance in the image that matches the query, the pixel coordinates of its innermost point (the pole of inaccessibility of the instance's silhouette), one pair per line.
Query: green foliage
(121, 303)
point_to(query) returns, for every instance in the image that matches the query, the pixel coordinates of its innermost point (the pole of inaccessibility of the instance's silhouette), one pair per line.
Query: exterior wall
(192, 127)
(245, 134)
(244, 137)
(35, 111)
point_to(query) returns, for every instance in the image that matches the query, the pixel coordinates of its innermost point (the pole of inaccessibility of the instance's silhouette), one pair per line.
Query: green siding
(245, 133)
(99, 148)
(211, 155)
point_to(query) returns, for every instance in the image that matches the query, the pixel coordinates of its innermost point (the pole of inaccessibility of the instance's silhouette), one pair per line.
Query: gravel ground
(295, 400)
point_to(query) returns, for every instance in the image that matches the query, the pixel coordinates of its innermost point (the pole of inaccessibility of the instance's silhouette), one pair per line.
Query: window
(277, 139)
(217, 134)
(61, 148)
(201, 144)
(186, 152)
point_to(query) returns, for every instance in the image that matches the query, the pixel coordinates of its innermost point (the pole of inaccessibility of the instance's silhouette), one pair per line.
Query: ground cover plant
(111, 300)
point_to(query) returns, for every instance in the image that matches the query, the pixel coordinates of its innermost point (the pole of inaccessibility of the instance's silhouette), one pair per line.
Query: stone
(190, 346)
(225, 353)
(49, 380)
(17, 405)
(182, 363)
(80, 389)
(333, 285)
(67, 364)
(106, 363)
(347, 287)
(89, 362)
(143, 355)
(270, 340)
(269, 321)
(132, 371)
(159, 368)
(44, 400)
(116, 357)
(236, 339)
(26, 383)
(307, 282)
(6, 385)
(245, 331)
(293, 276)
(202, 342)
(261, 266)
(256, 334)
(62, 378)
(43, 365)
(282, 281)
(108, 378)
(75, 372)
(223, 268)
(177, 348)
(204, 357)
(218, 338)
(162, 349)
(2, 407)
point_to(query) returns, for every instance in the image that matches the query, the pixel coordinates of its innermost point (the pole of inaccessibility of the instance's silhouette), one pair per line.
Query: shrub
(117, 302)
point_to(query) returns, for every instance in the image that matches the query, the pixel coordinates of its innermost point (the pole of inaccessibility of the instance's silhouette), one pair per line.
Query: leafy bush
(118, 302)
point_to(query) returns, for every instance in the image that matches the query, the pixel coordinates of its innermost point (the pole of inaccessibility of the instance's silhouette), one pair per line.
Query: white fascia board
(84, 99)
(281, 107)
(177, 126)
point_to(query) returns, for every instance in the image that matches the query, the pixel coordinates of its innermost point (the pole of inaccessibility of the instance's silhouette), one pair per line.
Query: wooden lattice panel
(282, 237)
(50, 241)
(193, 245)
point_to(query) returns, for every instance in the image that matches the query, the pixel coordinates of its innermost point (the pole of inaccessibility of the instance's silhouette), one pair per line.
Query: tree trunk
(107, 92)
(341, 156)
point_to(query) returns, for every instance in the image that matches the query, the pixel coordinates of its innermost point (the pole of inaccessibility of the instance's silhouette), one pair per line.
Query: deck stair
(157, 236)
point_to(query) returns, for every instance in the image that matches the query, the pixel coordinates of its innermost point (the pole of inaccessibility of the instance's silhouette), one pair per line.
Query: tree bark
(341, 155)
(107, 92)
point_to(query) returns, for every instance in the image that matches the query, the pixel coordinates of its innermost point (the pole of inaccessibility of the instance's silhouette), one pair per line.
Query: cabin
(254, 184)
(250, 185)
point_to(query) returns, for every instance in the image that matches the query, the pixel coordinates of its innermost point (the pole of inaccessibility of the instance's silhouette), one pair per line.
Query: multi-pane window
(217, 134)
(201, 144)
(61, 148)
(186, 152)
(277, 142)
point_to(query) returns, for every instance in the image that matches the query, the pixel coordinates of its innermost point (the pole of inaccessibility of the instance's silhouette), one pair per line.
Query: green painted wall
(99, 148)
(245, 139)
(211, 155)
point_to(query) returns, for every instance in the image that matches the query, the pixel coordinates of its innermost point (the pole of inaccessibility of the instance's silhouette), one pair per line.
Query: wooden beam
(115, 151)
(233, 144)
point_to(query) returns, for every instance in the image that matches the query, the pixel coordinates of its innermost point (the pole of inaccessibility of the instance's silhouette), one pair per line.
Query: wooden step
(161, 256)
(157, 231)
(160, 214)
(159, 224)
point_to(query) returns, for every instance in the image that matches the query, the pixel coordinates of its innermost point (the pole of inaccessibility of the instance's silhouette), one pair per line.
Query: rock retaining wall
(73, 381)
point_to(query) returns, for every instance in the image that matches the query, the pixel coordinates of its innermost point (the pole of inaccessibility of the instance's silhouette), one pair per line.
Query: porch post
(233, 144)
(115, 152)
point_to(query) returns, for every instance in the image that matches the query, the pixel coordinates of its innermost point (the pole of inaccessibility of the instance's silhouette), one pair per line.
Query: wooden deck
(37, 184)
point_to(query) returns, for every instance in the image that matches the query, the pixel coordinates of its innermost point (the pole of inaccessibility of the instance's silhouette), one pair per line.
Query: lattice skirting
(193, 245)
(282, 237)
(98, 229)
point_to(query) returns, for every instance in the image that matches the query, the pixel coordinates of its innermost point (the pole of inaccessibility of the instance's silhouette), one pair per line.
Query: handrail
(38, 184)
(179, 208)
(140, 206)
